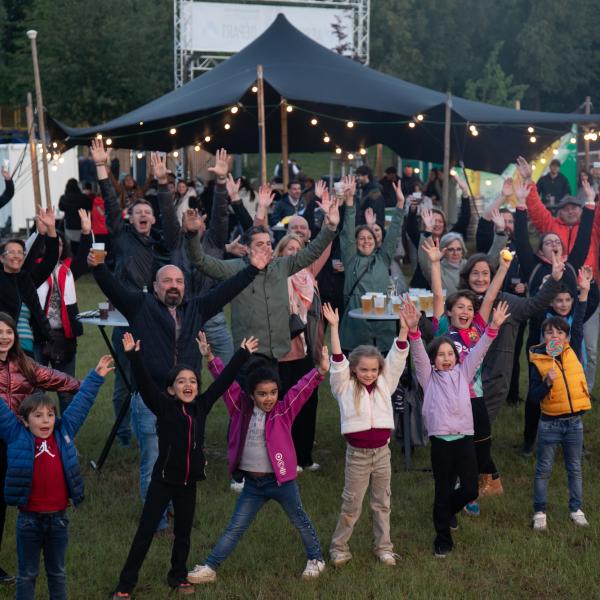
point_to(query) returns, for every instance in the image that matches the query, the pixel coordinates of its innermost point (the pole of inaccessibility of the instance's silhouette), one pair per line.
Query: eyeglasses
(552, 243)
(455, 250)
(19, 253)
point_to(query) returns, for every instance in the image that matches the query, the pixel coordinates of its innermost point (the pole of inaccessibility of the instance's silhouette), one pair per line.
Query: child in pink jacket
(261, 450)
(448, 417)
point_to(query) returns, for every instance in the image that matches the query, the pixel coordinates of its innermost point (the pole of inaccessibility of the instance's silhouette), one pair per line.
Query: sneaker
(472, 509)
(579, 518)
(202, 574)
(488, 486)
(313, 467)
(121, 596)
(313, 569)
(299, 469)
(6, 578)
(453, 523)
(527, 450)
(339, 558)
(236, 486)
(388, 558)
(441, 552)
(539, 521)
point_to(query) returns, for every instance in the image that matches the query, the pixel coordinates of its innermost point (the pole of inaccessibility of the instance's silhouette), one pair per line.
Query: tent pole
(285, 172)
(446, 181)
(586, 142)
(32, 34)
(35, 175)
(379, 161)
(262, 139)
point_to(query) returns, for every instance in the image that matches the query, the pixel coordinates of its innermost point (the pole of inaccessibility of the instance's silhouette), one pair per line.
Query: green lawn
(495, 556)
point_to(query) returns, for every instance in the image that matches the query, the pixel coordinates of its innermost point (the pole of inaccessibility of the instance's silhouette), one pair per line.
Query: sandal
(185, 588)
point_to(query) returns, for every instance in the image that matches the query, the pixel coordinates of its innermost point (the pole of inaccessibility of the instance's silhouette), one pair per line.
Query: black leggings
(482, 437)
(532, 418)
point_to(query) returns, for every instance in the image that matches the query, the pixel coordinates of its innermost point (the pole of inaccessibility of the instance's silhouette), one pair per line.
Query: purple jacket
(447, 400)
(278, 426)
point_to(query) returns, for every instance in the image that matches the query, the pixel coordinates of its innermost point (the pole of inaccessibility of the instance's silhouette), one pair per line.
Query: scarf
(301, 291)
(66, 286)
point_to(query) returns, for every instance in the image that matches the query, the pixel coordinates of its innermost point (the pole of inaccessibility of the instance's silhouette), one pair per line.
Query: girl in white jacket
(363, 385)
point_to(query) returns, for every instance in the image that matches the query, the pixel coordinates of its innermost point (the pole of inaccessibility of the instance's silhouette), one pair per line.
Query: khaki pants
(364, 465)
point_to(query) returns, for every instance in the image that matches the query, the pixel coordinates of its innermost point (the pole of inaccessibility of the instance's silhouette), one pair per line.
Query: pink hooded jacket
(278, 426)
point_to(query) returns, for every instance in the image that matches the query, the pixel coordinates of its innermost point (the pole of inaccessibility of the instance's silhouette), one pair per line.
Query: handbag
(297, 325)
(315, 328)
(58, 348)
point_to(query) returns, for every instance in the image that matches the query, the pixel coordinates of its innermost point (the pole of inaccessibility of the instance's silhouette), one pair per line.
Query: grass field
(496, 556)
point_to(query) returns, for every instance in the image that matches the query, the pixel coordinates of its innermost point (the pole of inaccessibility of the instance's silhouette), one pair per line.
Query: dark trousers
(449, 459)
(483, 436)
(158, 497)
(513, 391)
(303, 428)
(532, 419)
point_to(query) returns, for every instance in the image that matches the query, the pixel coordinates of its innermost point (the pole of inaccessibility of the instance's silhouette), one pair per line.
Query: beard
(172, 298)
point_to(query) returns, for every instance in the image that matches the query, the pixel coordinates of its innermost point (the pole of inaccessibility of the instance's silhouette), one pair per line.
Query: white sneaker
(236, 486)
(339, 558)
(579, 518)
(388, 558)
(313, 569)
(202, 574)
(299, 469)
(539, 521)
(314, 467)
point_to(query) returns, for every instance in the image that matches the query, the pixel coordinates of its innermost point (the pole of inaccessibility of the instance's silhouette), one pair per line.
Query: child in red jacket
(260, 447)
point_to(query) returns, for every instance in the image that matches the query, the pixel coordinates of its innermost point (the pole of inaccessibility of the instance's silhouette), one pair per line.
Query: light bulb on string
(175, 154)
(289, 108)
(207, 138)
(533, 166)
(234, 110)
(530, 129)
(573, 140)
(362, 151)
(98, 136)
(172, 131)
(197, 148)
(54, 168)
(54, 145)
(314, 121)
(108, 141)
(61, 159)
(227, 126)
(326, 139)
(474, 132)
(350, 156)
(412, 124)
(141, 123)
(452, 172)
(55, 156)
(488, 182)
(543, 160)
(533, 139)
(350, 124)
(48, 156)
(140, 155)
(254, 89)
(420, 117)
(417, 170)
(555, 151)
(338, 150)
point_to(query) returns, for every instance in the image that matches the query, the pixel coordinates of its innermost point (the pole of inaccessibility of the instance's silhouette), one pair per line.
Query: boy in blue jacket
(43, 474)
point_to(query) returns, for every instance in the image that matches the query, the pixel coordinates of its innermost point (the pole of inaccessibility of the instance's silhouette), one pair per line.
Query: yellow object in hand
(506, 254)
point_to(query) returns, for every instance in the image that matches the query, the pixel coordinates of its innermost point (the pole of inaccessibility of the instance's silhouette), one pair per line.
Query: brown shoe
(488, 486)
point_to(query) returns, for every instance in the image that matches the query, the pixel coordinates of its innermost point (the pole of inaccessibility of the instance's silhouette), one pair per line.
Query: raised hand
(48, 219)
(320, 187)
(5, 173)
(325, 203)
(129, 344)
(40, 226)
(265, 197)
(258, 259)
(461, 184)
(427, 218)
(500, 314)
(203, 345)
(221, 167)
(332, 216)
(233, 188)
(105, 365)
(400, 200)
(250, 344)
(99, 153)
(431, 247)
(370, 217)
(584, 277)
(498, 220)
(159, 167)
(234, 247)
(558, 267)
(331, 316)
(524, 169)
(507, 187)
(411, 315)
(193, 222)
(86, 221)
(349, 186)
(589, 191)
(324, 362)
(521, 192)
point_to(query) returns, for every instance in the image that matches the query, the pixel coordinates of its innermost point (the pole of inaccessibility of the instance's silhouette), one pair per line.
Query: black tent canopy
(322, 85)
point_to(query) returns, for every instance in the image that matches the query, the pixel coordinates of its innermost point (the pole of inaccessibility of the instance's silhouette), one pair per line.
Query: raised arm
(168, 213)
(393, 234)
(581, 247)
(421, 361)
(108, 190)
(525, 254)
(430, 250)
(218, 226)
(495, 286)
(79, 264)
(40, 271)
(9, 188)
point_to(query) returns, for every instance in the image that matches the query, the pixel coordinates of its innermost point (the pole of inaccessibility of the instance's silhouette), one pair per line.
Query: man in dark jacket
(167, 325)
(291, 204)
(368, 195)
(553, 186)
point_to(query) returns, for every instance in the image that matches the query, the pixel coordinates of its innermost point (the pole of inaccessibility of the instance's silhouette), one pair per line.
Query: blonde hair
(360, 352)
(284, 241)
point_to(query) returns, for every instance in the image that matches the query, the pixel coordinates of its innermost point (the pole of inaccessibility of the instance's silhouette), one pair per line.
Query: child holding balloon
(558, 384)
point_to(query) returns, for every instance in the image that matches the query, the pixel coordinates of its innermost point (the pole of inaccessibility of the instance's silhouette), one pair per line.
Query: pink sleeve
(420, 360)
(233, 393)
(299, 394)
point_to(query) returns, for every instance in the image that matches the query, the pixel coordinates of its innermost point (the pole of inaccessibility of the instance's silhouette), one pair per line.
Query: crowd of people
(289, 267)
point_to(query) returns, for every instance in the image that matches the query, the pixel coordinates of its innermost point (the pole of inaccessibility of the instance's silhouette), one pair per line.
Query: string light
(533, 166)
(362, 151)
(593, 136)
(488, 182)
(61, 159)
(54, 168)
(175, 153)
(55, 156)
(350, 156)
(326, 139)
(543, 160)
(141, 123)
(453, 172)
(289, 108)
(533, 139)
(234, 110)
(140, 155)
(417, 170)
(350, 124)
(338, 150)
(474, 131)
(530, 129)
(254, 89)
(207, 138)
(314, 121)
(54, 145)
(172, 131)
(98, 136)
(227, 126)
(48, 156)
(573, 140)
(108, 141)
(555, 151)
(472, 128)
(412, 124)
(197, 148)
(420, 117)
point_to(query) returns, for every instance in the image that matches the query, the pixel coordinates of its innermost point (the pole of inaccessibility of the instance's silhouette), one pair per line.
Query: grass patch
(496, 555)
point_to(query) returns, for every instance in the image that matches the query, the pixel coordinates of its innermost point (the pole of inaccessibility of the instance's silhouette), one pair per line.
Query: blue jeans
(37, 532)
(569, 434)
(257, 491)
(144, 427)
(120, 391)
(219, 338)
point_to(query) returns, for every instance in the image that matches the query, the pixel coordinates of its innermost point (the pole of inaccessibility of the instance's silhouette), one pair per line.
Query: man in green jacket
(262, 309)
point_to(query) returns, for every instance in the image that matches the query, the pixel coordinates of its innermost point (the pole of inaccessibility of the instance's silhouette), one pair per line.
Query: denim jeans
(144, 427)
(120, 391)
(569, 434)
(219, 337)
(257, 491)
(37, 532)
(67, 367)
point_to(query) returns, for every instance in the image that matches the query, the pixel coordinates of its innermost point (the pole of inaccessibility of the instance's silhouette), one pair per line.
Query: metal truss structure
(188, 64)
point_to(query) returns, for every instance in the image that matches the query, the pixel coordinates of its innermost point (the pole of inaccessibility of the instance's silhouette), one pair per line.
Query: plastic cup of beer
(366, 301)
(415, 301)
(426, 302)
(103, 310)
(396, 305)
(379, 304)
(99, 252)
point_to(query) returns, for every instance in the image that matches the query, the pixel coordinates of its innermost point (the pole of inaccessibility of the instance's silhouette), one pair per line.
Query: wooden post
(35, 175)
(586, 142)
(379, 161)
(32, 34)
(262, 138)
(285, 172)
(446, 180)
